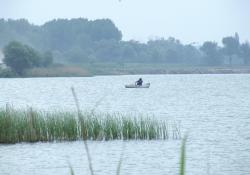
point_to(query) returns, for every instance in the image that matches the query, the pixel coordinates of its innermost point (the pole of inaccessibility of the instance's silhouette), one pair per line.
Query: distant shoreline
(174, 70)
(103, 69)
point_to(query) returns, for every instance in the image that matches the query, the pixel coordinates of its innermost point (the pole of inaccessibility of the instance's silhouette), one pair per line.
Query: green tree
(20, 57)
(212, 53)
(46, 59)
(245, 52)
(231, 46)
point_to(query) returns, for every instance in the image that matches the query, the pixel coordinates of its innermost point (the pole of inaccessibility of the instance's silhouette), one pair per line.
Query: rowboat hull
(147, 85)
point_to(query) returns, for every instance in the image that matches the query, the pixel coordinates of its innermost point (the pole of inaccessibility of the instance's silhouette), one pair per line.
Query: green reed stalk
(183, 156)
(84, 140)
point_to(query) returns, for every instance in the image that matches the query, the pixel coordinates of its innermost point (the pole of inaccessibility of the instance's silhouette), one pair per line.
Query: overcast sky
(187, 20)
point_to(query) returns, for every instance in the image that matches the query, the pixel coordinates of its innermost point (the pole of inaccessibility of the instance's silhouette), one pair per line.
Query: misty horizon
(192, 21)
(194, 43)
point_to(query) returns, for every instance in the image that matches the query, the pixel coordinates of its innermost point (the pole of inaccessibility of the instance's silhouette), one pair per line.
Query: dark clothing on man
(139, 82)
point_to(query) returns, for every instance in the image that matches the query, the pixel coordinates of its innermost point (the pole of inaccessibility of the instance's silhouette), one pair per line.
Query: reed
(183, 156)
(30, 125)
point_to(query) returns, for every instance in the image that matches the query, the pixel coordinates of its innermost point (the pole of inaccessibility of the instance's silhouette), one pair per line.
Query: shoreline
(117, 71)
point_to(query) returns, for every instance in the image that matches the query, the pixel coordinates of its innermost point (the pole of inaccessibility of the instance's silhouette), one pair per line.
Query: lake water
(214, 110)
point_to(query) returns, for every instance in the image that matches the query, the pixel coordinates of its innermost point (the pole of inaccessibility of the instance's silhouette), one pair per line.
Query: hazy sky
(187, 20)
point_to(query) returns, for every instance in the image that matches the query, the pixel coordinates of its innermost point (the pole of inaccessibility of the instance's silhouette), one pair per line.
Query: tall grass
(32, 126)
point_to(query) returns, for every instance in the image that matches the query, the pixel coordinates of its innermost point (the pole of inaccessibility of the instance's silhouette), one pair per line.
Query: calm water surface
(213, 109)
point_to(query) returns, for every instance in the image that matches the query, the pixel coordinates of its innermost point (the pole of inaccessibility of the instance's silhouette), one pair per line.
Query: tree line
(84, 41)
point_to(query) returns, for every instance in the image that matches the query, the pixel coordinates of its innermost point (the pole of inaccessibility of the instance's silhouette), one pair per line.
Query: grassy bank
(92, 69)
(57, 71)
(33, 126)
(52, 71)
(160, 68)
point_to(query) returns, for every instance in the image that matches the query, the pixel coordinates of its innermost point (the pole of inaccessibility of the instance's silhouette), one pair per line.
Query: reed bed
(33, 126)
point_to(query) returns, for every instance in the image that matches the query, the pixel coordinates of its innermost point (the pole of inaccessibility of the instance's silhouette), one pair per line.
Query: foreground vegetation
(33, 126)
(182, 162)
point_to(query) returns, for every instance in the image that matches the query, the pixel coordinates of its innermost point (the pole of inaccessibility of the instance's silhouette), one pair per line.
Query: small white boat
(146, 85)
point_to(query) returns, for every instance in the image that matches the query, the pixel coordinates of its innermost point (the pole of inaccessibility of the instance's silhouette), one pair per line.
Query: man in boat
(139, 82)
